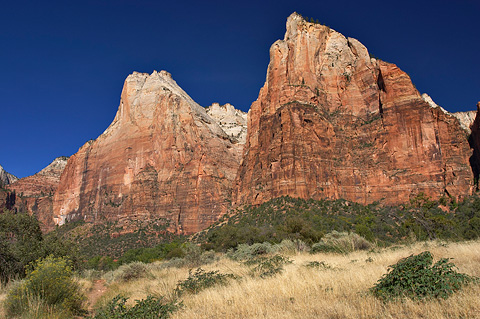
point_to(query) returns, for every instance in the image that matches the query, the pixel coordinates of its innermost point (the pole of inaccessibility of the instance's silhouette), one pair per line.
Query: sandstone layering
(332, 122)
(162, 157)
(34, 194)
(6, 178)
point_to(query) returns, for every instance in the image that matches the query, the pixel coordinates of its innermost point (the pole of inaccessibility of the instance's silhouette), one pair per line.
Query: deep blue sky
(63, 63)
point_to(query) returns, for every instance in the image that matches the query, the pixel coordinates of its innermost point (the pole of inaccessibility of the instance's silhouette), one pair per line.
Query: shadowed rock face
(331, 122)
(162, 157)
(475, 144)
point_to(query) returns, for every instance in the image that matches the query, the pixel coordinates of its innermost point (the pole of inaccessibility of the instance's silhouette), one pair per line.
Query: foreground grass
(337, 291)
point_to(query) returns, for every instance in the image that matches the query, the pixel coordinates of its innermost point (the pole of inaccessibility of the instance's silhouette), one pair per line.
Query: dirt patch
(97, 291)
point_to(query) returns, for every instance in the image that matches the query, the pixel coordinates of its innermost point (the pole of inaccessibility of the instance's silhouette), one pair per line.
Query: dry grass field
(339, 290)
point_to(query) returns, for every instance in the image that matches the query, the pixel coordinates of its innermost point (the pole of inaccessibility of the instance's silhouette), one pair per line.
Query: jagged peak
(231, 120)
(142, 94)
(58, 164)
(227, 108)
(6, 178)
(464, 118)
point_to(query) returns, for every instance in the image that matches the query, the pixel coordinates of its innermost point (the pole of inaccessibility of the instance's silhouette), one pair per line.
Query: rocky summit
(34, 194)
(163, 157)
(6, 178)
(333, 122)
(231, 120)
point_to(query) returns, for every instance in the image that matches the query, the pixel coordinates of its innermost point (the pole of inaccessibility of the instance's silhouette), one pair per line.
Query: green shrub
(414, 277)
(317, 265)
(268, 266)
(151, 307)
(341, 242)
(128, 272)
(49, 280)
(20, 243)
(245, 251)
(193, 258)
(200, 280)
(104, 263)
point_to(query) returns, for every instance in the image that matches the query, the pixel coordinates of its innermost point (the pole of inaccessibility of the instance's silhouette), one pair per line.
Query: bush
(192, 259)
(244, 251)
(317, 265)
(132, 271)
(288, 246)
(50, 281)
(341, 242)
(200, 280)
(414, 277)
(268, 266)
(20, 243)
(151, 307)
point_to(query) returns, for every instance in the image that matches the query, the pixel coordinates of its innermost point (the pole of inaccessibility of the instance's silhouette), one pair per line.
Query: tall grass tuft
(341, 243)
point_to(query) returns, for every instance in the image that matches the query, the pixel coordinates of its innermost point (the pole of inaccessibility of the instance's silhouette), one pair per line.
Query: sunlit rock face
(44, 182)
(162, 157)
(232, 121)
(332, 122)
(34, 194)
(465, 119)
(6, 178)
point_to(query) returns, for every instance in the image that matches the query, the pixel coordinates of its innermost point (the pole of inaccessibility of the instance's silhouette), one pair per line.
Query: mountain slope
(332, 122)
(163, 157)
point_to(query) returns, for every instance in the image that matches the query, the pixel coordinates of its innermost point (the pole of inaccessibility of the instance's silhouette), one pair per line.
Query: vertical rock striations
(475, 144)
(465, 119)
(162, 157)
(331, 122)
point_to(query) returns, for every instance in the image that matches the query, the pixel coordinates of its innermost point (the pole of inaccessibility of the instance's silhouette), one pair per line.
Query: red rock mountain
(162, 157)
(6, 178)
(42, 183)
(332, 122)
(34, 194)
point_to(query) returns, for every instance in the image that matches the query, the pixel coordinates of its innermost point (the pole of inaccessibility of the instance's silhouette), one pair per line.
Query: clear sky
(63, 63)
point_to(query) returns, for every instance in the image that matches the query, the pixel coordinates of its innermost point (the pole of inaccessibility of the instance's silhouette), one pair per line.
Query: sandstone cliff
(465, 119)
(232, 121)
(475, 143)
(34, 194)
(42, 183)
(162, 158)
(6, 178)
(331, 122)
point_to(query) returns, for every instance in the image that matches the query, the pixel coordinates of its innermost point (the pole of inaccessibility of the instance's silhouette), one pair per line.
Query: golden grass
(301, 292)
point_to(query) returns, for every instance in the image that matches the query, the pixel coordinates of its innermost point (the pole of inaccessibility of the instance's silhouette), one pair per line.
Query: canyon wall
(332, 122)
(162, 158)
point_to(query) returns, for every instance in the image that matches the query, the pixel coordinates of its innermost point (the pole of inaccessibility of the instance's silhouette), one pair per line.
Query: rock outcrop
(232, 121)
(465, 119)
(163, 157)
(332, 122)
(34, 194)
(6, 178)
(43, 183)
(475, 143)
